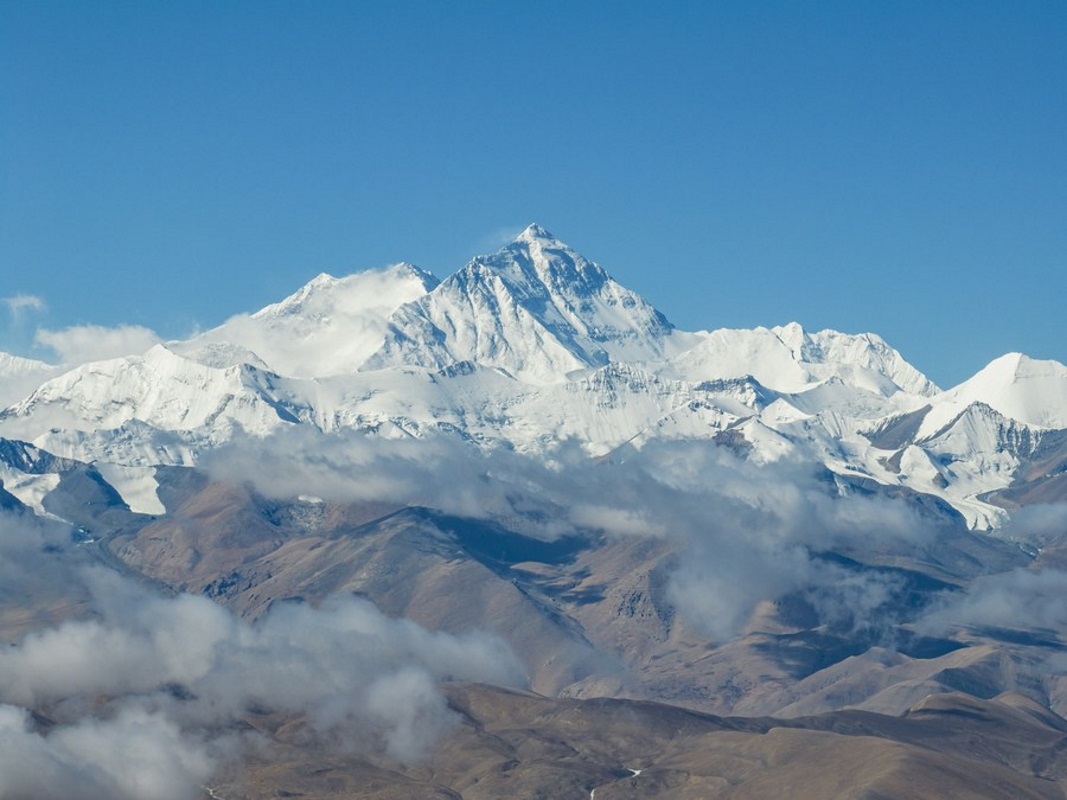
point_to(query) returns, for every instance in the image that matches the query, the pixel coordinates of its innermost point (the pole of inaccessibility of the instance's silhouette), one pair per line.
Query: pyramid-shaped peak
(534, 232)
(1012, 368)
(1019, 365)
(536, 308)
(540, 245)
(1026, 389)
(539, 263)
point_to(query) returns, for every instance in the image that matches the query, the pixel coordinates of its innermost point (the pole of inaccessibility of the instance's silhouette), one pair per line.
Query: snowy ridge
(20, 375)
(527, 348)
(863, 352)
(789, 359)
(328, 327)
(537, 309)
(11, 366)
(161, 389)
(1021, 388)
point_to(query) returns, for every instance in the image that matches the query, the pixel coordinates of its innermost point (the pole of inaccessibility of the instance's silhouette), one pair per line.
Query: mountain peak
(534, 232)
(1026, 389)
(322, 279)
(17, 365)
(18, 376)
(536, 308)
(538, 257)
(381, 290)
(329, 326)
(1013, 368)
(866, 351)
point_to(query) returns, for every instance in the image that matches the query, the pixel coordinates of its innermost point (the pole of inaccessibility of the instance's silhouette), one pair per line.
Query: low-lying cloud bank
(131, 754)
(1021, 599)
(138, 697)
(1040, 524)
(141, 698)
(747, 532)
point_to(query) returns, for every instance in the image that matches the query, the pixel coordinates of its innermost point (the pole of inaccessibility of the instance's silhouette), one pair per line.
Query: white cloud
(19, 304)
(1040, 524)
(1021, 598)
(746, 533)
(80, 344)
(135, 754)
(139, 691)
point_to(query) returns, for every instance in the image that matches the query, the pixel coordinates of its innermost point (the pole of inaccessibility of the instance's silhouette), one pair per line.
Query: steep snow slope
(329, 327)
(1021, 388)
(537, 309)
(788, 360)
(137, 486)
(162, 390)
(19, 376)
(861, 352)
(29, 473)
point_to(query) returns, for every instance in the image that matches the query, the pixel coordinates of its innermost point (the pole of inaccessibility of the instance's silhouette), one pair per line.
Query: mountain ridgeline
(534, 346)
(519, 536)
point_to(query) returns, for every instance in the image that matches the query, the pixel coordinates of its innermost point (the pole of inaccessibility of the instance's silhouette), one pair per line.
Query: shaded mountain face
(528, 462)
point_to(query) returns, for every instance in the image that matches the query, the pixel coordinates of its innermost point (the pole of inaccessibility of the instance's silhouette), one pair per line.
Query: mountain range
(684, 553)
(534, 346)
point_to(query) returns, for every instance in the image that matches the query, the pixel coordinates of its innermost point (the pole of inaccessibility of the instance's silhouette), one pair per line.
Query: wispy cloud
(1034, 599)
(80, 344)
(19, 304)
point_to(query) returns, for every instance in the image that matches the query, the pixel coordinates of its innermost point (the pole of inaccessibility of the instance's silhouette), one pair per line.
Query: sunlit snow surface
(1021, 388)
(328, 327)
(29, 489)
(18, 376)
(136, 485)
(529, 348)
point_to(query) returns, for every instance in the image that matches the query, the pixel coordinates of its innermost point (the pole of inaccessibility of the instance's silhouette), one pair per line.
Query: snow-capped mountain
(14, 366)
(1021, 388)
(789, 359)
(978, 451)
(19, 376)
(536, 309)
(529, 347)
(329, 327)
(150, 409)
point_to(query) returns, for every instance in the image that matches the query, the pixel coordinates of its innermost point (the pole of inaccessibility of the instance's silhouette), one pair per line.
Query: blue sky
(897, 167)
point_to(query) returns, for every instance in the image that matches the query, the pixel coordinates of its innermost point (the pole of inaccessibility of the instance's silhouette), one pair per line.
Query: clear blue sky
(889, 166)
